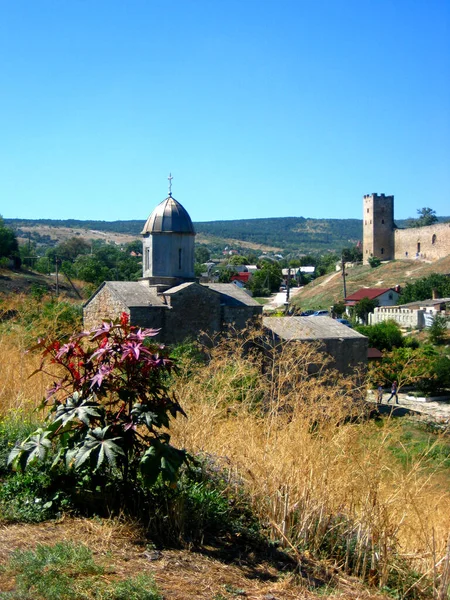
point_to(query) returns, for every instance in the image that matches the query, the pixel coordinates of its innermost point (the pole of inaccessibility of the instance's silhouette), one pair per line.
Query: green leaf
(98, 447)
(35, 447)
(75, 407)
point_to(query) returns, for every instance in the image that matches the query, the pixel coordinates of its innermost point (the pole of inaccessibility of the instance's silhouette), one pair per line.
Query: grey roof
(232, 295)
(430, 302)
(309, 328)
(180, 287)
(132, 293)
(169, 217)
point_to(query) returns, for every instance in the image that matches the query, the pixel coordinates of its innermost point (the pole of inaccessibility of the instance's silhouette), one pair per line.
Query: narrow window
(365, 222)
(371, 221)
(367, 211)
(147, 258)
(382, 250)
(418, 247)
(179, 258)
(433, 239)
(382, 221)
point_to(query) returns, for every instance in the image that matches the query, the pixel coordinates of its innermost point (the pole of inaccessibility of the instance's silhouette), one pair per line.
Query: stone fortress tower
(168, 244)
(378, 227)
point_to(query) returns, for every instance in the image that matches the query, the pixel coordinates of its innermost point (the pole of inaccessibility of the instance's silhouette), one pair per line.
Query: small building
(384, 296)
(347, 347)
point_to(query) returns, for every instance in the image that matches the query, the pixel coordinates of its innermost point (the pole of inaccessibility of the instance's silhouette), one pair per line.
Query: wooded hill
(286, 234)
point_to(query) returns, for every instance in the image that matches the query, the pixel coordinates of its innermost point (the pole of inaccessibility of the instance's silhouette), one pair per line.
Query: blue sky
(259, 108)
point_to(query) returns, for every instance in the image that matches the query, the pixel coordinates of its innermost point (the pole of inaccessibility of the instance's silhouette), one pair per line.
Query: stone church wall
(430, 243)
(191, 312)
(103, 307)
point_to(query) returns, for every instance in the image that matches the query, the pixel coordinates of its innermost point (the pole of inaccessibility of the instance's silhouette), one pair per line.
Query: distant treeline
(287, 233)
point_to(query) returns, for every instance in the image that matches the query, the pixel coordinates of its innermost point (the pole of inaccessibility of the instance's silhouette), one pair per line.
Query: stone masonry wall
(103, 307)
(192, 311)
(378, 223)
(429, 243)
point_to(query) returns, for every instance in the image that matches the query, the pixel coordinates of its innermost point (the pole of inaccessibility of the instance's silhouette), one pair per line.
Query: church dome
(169, 217)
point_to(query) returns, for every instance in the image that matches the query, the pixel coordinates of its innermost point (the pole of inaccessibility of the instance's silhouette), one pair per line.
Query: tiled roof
(370, 293)
(133, 294)
(232, 295)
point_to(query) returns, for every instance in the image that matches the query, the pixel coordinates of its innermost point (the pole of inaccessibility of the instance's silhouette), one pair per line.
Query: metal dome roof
(169, 217)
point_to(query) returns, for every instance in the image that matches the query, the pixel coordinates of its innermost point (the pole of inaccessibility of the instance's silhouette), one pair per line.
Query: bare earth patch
(180, 574)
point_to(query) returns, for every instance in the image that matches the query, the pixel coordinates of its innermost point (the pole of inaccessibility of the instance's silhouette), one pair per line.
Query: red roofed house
(385, 296)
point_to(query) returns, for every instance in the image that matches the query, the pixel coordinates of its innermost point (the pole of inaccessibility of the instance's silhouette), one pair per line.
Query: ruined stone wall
(428, 243)
(103, 307)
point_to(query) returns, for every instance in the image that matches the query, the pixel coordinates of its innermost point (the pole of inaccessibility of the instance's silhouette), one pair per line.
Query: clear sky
(259, 108)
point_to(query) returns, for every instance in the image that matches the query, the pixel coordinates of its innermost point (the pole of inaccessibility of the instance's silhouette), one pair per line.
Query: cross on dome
(170, 184)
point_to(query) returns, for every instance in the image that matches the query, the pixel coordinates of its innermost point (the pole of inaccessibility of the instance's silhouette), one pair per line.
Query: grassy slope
(326, 290)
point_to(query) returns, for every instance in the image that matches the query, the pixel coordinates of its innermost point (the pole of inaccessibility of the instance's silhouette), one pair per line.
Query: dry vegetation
(321, 476)
(327, 290)
(319, 480)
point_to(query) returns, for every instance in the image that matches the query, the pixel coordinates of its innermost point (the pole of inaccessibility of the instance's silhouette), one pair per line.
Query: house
(168, 297)
(384, 296)
(347, 347)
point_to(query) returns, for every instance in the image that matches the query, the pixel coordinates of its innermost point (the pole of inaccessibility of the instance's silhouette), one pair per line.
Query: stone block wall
(348, 353)
(427, 243)
(103, 307)
(192, 311)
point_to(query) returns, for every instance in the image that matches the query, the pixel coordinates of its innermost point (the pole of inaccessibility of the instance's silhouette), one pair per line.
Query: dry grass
(18, 391)
(326, 290)
(321, 480)
(318, 481)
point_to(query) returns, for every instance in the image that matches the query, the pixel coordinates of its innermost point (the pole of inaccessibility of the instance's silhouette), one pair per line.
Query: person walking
(394, 394)
(379, 393)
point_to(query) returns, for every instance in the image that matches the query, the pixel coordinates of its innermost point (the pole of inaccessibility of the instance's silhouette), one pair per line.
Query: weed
(67, 571)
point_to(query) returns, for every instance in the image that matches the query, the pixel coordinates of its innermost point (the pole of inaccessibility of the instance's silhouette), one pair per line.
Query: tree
(9, 247)
(422, 289)
(202, 254)
(237, 260)
(427, 216)
(364, 307)
(111, 409)
(438, 330)
(374, 262)
(407, 366)
(339, 309)
(266, 279)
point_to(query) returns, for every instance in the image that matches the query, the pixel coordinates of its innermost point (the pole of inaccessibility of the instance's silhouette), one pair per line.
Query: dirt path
(436, 410)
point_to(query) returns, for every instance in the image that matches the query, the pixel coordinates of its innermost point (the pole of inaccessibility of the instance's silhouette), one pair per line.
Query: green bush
(383, 336)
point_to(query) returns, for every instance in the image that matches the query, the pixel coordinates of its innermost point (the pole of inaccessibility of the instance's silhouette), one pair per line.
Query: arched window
(147, 259)
(433, 239)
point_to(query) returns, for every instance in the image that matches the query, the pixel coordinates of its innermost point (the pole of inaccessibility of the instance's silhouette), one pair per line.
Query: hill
(278, 234)
(287, 234)
(326, 290)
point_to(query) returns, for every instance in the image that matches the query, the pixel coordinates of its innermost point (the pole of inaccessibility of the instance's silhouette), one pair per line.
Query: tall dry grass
(319, 476)
(24, 320)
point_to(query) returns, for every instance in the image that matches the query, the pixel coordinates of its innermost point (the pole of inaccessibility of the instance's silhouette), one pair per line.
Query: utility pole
(57, 276)
(343, 277)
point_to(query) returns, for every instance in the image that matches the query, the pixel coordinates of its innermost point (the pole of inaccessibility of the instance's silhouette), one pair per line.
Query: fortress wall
(431, 243)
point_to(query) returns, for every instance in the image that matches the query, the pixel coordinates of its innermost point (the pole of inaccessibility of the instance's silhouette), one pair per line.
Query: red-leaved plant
(111, 408)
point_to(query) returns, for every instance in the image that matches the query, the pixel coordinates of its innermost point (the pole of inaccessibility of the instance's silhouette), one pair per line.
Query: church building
(168, 296)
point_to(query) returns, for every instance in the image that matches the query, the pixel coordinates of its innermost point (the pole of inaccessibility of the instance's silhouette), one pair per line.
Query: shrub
(111, 408)
(438, 329)
(383, 336)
